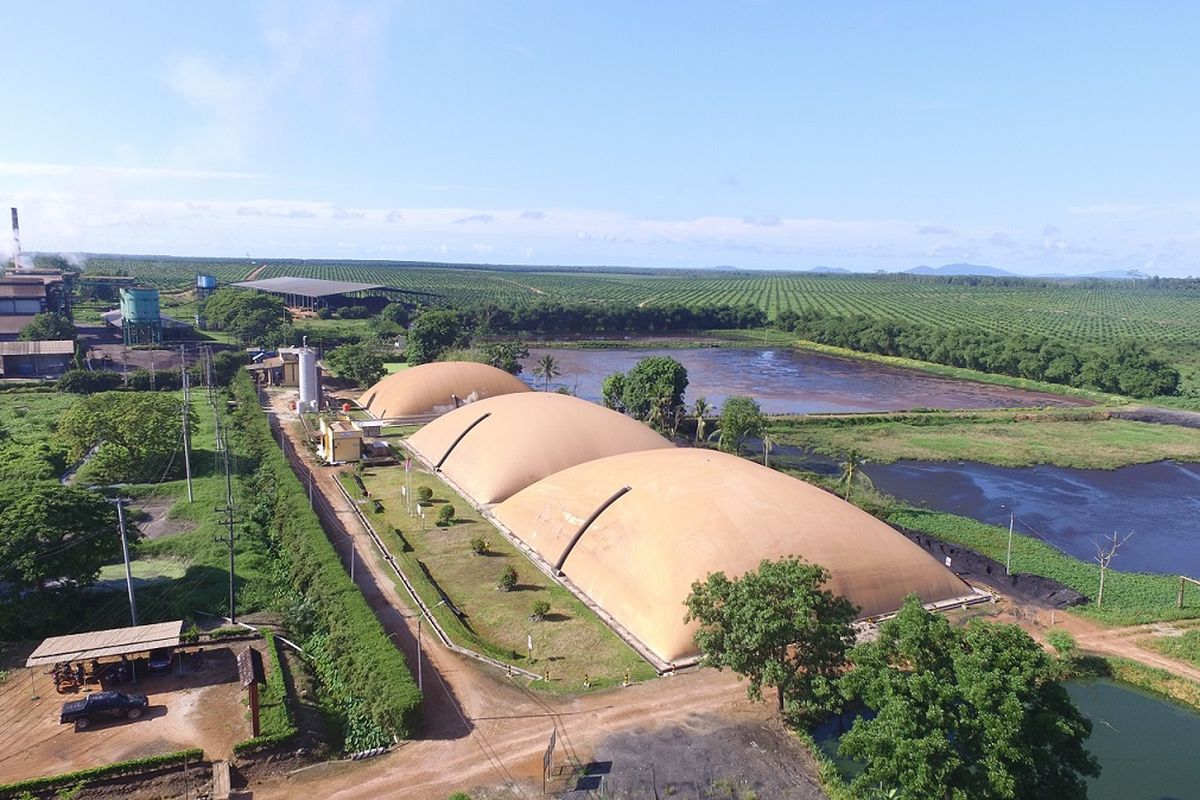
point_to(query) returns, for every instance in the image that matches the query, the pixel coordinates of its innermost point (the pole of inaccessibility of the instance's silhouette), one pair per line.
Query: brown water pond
(786, 381)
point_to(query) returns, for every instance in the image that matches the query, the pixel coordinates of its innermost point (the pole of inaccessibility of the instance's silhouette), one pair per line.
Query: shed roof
(307, 287)
(54, 347)
(690, 512)
(495, 447)
(437, 388)
(113, 642)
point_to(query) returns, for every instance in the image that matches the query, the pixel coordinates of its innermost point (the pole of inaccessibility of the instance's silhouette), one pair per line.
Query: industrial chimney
(16, 241)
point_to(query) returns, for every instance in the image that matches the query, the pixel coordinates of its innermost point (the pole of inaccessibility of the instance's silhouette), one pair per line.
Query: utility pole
(227, 510)
(187, 406)
(1012, 518)
(125, 551)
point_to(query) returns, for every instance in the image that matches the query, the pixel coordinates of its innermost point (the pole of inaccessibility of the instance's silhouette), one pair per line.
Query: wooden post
(254, 708)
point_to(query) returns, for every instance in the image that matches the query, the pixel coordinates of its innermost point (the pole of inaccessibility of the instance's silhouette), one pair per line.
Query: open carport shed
(314, 292)
(112, 642)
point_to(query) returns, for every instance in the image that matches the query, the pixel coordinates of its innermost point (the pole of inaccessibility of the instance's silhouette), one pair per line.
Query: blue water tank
(206, 282)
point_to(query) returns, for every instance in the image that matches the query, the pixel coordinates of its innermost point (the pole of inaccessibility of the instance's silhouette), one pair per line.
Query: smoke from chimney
(16, 241)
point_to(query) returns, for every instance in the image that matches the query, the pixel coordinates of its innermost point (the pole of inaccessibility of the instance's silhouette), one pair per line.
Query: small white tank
(310, 380)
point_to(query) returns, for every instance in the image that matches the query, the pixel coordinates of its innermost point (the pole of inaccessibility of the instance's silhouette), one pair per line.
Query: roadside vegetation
(496, 599)
(365, 683)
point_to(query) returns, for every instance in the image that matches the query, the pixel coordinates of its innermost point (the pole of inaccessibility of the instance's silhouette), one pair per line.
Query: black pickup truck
(101, 706)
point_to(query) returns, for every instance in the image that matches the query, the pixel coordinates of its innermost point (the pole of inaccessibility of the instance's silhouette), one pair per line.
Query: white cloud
(35, 169)
(92, 218)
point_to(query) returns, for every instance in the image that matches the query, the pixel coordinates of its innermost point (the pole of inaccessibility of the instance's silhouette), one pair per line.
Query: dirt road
(486, 733)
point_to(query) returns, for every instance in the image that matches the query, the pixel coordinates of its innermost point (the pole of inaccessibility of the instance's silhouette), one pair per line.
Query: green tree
(137, 435)
(852, 474)
(968, 713)
(431, 334)
(359, 363)
(54, 532)
(250, 317)
(700, 409)
(47, 326)
(505, 355)
(741, 417)
(657, 382)
(777, 627)
(612, 391)
(546, 368)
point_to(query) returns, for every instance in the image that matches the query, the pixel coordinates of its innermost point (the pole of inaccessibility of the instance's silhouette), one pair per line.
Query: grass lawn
(1185, 647)
(200, 553)
(1000, 438)
(393, 367)
(146, 570)
(28, 447)
(570, 642)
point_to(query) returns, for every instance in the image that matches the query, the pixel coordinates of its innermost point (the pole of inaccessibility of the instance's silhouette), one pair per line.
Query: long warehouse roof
(307, 287)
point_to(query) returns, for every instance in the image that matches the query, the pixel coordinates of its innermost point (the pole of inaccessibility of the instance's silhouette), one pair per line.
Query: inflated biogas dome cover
(495, 447)
(437, 388)
(689, 512)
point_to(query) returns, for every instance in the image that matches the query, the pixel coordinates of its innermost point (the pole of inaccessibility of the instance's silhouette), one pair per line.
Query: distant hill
(961, 269)
(724, 268)
(837, 270)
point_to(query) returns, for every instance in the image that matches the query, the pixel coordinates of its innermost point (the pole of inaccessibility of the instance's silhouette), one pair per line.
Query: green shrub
(86, 381)
(508, 580)
(540, 609)
(479, 545)
(18, 788)
(424, 494)
(445, 516)
(1062, 641)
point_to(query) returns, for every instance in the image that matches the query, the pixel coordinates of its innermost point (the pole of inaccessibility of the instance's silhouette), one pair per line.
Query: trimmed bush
(445, 516)
(508, 580)
(479, 545)
(540, 609)
(424, 494)
(86, 381)
(134, 766)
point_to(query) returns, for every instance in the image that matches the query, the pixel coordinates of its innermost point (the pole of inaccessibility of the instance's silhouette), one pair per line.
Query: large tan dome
(498, 446)
(437, 388)
(690, 512)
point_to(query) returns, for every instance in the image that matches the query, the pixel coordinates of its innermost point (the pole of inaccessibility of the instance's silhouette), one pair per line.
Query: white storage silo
(310, 379)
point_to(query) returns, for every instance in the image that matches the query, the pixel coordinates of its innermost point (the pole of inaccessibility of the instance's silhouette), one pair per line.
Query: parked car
(160, 660)
(101, 706)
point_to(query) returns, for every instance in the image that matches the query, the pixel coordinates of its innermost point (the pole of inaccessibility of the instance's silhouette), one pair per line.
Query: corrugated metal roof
(57, 347)
(22, 290)
(113, 642)
(12, 323)
(307, 287)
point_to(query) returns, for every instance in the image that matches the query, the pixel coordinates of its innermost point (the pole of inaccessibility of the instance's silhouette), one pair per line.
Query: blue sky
(1032, 136)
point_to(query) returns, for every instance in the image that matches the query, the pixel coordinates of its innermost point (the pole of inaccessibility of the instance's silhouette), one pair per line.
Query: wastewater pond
(1157, 505)
(786, 381)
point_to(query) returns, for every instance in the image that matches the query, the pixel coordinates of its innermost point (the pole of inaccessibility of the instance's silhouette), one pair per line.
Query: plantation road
(486, 734)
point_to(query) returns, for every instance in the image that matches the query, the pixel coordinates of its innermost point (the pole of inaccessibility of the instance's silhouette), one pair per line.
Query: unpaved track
(481, 728)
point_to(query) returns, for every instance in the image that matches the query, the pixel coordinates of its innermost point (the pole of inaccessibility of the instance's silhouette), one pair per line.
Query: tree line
(1120, 367)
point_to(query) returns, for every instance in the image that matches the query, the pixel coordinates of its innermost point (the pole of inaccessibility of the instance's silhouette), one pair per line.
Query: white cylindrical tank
(310, 381)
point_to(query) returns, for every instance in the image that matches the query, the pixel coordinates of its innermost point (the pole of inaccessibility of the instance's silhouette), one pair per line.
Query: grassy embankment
(571, 641)
(1083, 438)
